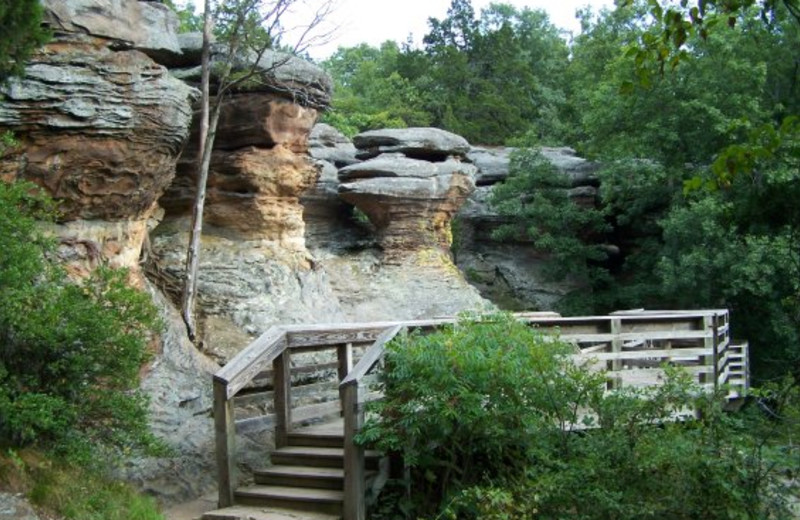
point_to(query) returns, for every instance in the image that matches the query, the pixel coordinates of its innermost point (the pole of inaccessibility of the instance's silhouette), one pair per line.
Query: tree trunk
(206, 144)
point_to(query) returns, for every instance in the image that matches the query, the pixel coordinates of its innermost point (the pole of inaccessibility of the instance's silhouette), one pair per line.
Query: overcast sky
(375, 21)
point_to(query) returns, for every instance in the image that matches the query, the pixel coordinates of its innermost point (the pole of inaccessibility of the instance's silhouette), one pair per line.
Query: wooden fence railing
(631, 346)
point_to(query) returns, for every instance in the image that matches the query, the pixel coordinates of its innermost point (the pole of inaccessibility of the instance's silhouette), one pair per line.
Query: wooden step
(321, 440)
(263, 513)
(318, 457)
(301, 476)
(326, 501)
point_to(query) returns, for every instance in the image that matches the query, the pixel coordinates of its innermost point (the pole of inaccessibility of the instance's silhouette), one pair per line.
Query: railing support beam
(225, 436)
(282, 381)
(354, 485)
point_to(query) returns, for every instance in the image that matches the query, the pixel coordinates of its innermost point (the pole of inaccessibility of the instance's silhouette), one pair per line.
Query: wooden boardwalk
(317, 466)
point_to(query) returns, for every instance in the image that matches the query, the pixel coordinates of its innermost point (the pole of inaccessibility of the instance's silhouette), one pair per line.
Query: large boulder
(493, 164)
(430, 144)
(410, 202)
(259, 119)
(16, 507)
(149, 27)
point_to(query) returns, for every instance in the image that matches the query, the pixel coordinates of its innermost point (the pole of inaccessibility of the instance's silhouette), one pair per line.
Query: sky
(375, 21)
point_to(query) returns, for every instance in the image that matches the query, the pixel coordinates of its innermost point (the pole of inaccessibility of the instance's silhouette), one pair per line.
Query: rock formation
(100, 124)
(302, 225)
(409, 200)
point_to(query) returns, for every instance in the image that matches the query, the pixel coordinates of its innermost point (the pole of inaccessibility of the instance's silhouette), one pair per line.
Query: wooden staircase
(306, 479)
(322, 471)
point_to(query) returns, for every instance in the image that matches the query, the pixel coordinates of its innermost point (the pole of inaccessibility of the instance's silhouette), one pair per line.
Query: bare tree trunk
(203, 164)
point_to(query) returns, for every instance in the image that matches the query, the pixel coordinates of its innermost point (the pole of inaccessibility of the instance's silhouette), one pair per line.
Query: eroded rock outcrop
(100, 124)
(410, 201)
(424, 143)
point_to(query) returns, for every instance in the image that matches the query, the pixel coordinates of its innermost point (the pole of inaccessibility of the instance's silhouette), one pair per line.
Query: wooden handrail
(252, 360)
(351, 397)
(371, 356)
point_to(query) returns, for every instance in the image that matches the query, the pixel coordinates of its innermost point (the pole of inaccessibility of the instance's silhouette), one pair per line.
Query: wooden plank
(264, 378)
(344, 356)
(252, 360)
(331, 334)
(354, 484)
(372, 355)
(678, 353)
(225, 439)
(315, 411)
(282, 393)
(652, 376)
(616, 342)
(656, 335)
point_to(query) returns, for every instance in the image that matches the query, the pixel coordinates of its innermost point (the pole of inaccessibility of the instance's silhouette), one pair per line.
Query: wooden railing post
(616, 347)
(282, 381)
(225, 435)
(354, 485)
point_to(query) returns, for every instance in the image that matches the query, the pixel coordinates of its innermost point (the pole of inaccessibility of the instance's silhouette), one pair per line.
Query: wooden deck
(312, 381)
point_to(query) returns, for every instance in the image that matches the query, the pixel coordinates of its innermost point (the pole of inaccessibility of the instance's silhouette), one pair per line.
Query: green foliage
(190, 21)
(471, 403)
(677, 25)
(536, 201)
(22, 34)
(71, 352)
(462, 81)
(371, 92)
(58, 489)
(489, 418)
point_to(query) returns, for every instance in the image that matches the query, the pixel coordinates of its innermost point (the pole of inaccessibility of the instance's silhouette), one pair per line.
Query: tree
(700, 166)
(20, 25)
(190, 21)
(498, 76)
(495, 421)
(70, 352)
(371, 91)
(536, 204)
(247, 28)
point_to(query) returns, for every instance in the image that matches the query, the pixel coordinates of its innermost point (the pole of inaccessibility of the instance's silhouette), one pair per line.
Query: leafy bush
(493, 420)
(471, 403)
(70, 352)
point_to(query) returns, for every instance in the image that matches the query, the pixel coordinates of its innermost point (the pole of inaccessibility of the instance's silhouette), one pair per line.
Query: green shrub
(494, 421)
(474, 402)
(70, 352)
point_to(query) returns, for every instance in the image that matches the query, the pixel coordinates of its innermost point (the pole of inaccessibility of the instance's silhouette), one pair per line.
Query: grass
(65, 491)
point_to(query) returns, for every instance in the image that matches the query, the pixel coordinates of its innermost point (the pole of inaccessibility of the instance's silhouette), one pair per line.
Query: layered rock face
(100, 124)
(410, 187)
(259, 166)
(512, 274)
